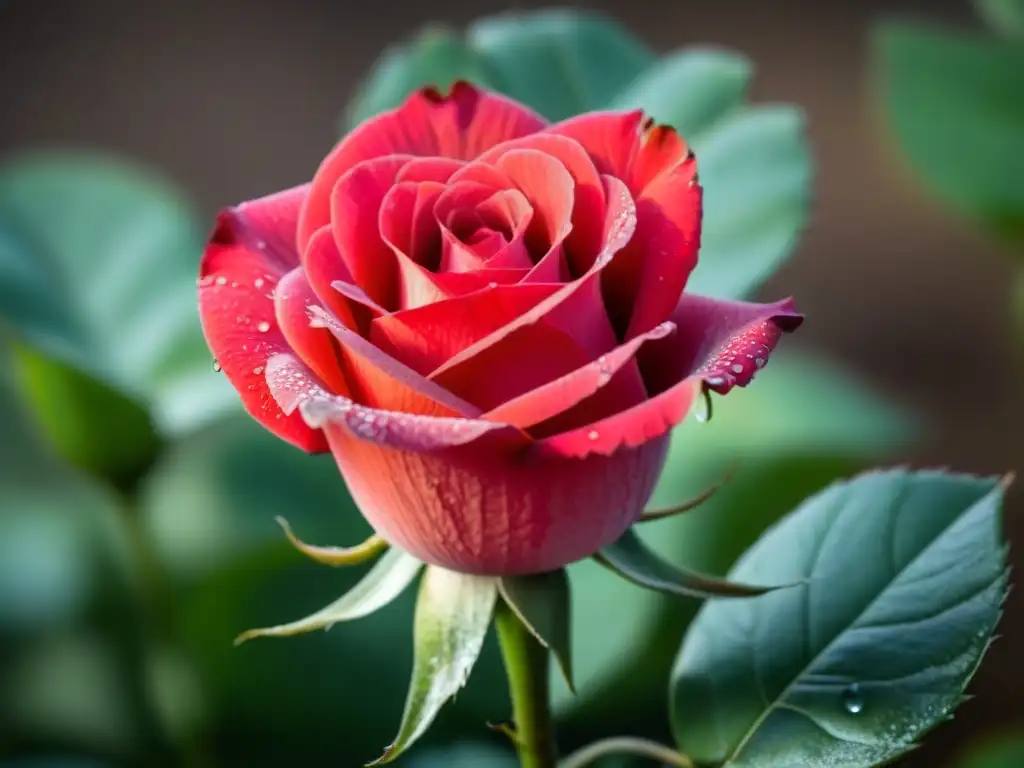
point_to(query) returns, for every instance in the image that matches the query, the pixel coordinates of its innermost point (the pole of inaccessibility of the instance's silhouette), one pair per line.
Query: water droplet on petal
(221, 280)
(216, 366)
(258, 283)
(852, 700)
(263, 327)
(593, 434)
(258, 370)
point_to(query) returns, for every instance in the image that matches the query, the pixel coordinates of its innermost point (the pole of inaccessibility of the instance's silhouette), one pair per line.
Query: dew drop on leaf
(852, 700)
(216, 366)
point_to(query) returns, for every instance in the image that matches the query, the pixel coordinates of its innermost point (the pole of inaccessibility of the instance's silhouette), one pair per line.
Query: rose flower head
(482, 317)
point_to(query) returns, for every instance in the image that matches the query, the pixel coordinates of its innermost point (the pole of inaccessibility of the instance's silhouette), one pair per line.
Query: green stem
(527, 665)
(626, 745)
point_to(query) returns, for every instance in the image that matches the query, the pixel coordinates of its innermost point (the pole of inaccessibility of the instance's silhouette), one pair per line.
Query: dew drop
(216, 366)
(258, 283)
(263, 327)
(593, 434)
(852, 700)
(703, 411)
(737, 368)
(221, 280)
(258, 370)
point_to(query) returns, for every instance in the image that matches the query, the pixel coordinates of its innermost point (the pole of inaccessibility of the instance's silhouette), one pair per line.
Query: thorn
(696, 501)
(507, 729)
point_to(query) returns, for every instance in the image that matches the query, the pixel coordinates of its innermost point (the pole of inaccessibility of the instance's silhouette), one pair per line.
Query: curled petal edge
(656, 416)
(295, 388)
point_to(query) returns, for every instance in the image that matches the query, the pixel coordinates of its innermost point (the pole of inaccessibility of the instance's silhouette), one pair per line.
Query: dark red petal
(542, 344)
(564, 393)
(584, 241)
(426, 337)
(636, 426)
(237, 311)
(297, 390)
(726, 342)
(355, 204)
(612, 139)
(652, 273)
(379, 381)
(717, 344)
(460, 125)
(314, 346)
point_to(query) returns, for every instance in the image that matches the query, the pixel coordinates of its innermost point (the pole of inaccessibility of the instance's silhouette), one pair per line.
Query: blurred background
(119, 600)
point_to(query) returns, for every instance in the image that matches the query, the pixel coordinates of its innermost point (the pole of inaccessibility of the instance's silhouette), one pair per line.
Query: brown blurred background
(233, 99)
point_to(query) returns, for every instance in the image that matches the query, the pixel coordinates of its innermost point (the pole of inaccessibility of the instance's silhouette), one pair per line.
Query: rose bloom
(482, 317)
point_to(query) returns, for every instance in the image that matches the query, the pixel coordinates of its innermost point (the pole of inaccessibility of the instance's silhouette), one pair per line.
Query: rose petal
(661, 149)
(459, 125)
(564, 393)
(295, 388)
(425, 337)
(429, 169)
(712, 337)
(646, 281)
(407, 223)
(236, 308)
(267, 225)
(612, 139)
(584, 241)
(323, 267)
(355, 203)
(726, 342)
(542, 344)
(651, 274)
(314, 346)
(477, 508)
(377, 380)
(548, 188)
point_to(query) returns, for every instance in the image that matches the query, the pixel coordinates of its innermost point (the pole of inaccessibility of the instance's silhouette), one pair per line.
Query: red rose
(482, 317)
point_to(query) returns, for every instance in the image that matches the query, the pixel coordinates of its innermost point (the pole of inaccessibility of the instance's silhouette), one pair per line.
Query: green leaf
(453, 613)
(543, 603)
(382, 585)
(955, 104)
(634, 561)
(691, 89)
(1004, 16)
(99, 261)
(560, 62)
(436, 57)
(753, 164)
(755, 168)
(803, 424)
(76, 412)
(906, 578)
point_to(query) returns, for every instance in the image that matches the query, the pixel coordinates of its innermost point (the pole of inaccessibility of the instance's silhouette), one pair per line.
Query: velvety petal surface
(251, 248)
(459, 125)
(480, 509)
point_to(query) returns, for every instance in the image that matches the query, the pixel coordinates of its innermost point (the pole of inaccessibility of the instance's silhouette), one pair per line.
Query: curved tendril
(696, 501)
(626, 745)
(335, 556)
